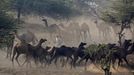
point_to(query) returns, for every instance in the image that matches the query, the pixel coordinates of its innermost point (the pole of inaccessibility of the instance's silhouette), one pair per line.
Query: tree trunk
(18, 14)
(107, 72)
(121, 34)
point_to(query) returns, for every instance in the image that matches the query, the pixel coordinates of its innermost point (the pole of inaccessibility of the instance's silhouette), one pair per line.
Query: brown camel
(10, 43)
(53, 28)
(85, 32)
(25, 48)
(28, 37)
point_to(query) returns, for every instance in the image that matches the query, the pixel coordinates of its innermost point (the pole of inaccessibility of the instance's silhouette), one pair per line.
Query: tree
(120, 13)
(7, 22)
(53, 8)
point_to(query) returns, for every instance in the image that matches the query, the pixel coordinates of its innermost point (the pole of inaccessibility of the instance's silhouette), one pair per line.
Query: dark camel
(37, 52)
(62, 51)
(79, 52)
(27, 49)
(94, 56)
(42, 54)
(122, 52)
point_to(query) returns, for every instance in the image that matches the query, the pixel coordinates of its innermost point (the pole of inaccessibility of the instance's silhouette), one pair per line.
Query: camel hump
(17, 45)
(63, 46)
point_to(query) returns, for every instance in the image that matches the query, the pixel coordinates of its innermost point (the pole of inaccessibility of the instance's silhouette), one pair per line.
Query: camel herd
(72, 55)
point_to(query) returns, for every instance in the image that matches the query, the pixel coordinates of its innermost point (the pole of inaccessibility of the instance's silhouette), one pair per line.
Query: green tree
(52, 8)
(121, 12)
(7, 22)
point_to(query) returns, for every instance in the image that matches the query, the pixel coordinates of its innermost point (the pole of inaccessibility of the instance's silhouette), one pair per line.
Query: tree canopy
(7, 22)
(120, 12)
(53, 8)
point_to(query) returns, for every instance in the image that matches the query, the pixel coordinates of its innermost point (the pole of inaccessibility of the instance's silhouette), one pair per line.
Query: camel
(78, 52)
(68, 52)
(122, 52)
(40, 54)
(94, 56)
(62, 51)
(27, 49)
(28, 37)
(85, 32)
(43, 54)
(52, 29)
(10, 43)
(74, 30)
(104, 31)
(19, 48)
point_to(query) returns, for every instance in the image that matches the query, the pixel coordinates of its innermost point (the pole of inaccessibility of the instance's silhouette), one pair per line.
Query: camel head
(42, 40)
(82, 44)
(53, 50)
(127, 43)
(47, 48)
(45, 20)
(111, 45)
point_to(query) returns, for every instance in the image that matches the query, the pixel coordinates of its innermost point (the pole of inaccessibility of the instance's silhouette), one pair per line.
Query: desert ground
(6, 68)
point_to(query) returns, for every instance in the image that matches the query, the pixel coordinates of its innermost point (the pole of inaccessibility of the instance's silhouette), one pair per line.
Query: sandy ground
(6, 68)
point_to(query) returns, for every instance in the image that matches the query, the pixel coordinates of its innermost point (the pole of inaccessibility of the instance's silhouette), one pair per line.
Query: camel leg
(119, 62)
(74, 61)
(10, 52)
(71, 61)
(55, 62)
(14, 53)
(86, 64)
(83, 58)
(52, 59)
(7, 52)
(25, 61)
(67, 59)
(46, 62)
(28, 63)
(79, 62)
(63, 61)
(43, 61)
(113, 63)
(125, 59)
(17, 59)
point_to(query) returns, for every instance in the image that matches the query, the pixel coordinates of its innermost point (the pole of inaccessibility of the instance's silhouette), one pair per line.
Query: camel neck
(18, 37)
(46, 23)
(131, 50)
(52, 51)
(81, 48)
(39, 44)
